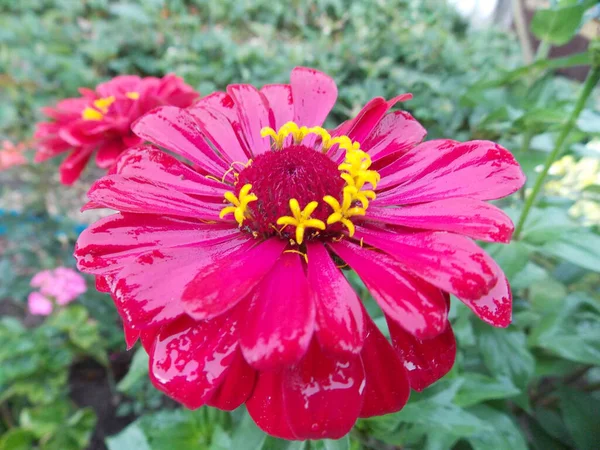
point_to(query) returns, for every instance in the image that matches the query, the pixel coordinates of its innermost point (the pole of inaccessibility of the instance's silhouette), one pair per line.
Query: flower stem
(590, 82)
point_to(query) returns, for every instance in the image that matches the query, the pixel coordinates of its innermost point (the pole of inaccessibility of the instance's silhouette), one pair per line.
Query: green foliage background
(534, 385)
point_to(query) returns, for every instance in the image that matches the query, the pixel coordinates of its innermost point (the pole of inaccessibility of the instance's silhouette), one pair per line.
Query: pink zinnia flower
(11, 155)
(228, 267)
(62, 284)
(100, 120)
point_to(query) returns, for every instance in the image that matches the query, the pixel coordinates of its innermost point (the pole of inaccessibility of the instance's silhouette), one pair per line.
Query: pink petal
(154, 164)
(143, 293)
(135, 194)
(426, 360)
(495, 307)
(254, 115)
(314, 95)
(131, 336)
(395, 134)
(453, 263)
(39, 305)
(438, 170)
(473, 218)
(116, 240)
(387, 386)
(101, 284)
(190, 359)
(416, 305)
(281, 320)
(176, 130)
(236, 387)
(281, 103)
(323, 394)
(73, 165)
(340, 320)
(266, 405)
(221, 133)
(222, 103)
(227, 281)
(108, 152)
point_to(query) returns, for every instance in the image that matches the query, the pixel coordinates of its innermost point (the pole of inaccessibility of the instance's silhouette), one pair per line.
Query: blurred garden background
(66, 379)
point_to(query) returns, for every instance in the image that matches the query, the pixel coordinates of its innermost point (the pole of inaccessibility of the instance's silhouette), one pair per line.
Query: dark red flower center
(277, 176)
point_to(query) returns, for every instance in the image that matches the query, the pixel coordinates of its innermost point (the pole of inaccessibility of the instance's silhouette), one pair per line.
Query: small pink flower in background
(99, 121)
(11, 155)
(39, 305)
(62, 284)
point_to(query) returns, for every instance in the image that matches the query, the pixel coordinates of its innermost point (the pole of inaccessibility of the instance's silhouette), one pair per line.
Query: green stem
(590, 82)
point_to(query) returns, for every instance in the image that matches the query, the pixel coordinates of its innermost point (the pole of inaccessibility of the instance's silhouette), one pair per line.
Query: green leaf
(505, 352)
(581, 248)
(75, 434)
(132, 437)
(247, 435)
(138, 372)
(580, 413)
(501, 434)
(17, 439)
(478, 388)
(570, 330)
(557, 26)
(546, 225)
(512, 257)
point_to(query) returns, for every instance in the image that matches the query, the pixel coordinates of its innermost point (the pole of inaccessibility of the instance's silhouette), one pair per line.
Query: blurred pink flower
(62, 284)
(11, 155)
(38, 304)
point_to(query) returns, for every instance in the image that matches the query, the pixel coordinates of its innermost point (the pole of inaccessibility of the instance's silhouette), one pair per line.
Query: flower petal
(495, 307)
(314, 95)
(227, 281)
(438, 170)
(237, 385)
(144, 296)
(254, 115)
(426, 360)
(177, 130)
(71, 168)
(266, 405)
(323, 394)
(281, 103)
(135, 194)
(154, 164)
(395, 134)
(281, 320)
(190, 359)
(340, 320)
(111, 242)
(473, 218)
(387, 386)
(453, 263)
(108, 152)
(221, 132)
(416, 305)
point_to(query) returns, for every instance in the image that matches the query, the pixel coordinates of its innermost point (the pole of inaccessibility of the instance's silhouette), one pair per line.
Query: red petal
(387, 386)
(453, 263)
(281, 103)
(108, 152)
(417, 306)
(236, 387)
(340, 320)
(154, 164)
(437, 170)
(190, 359)
(426, 360)
(314, 95)
(253, 114)
(473, 218)
(281, 320)
(176, 130)
(73, 165)
(323, 395)
(225, 282)
(144, 196)
(266, 405)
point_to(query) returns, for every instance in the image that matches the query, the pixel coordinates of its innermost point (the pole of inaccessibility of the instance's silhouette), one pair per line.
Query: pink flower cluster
(59, 286)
